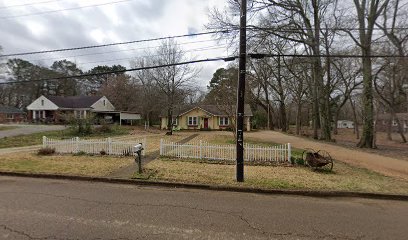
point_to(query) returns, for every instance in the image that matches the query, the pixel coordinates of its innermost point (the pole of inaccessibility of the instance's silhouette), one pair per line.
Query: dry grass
(3, 128)
(344, 177)
(62, 164)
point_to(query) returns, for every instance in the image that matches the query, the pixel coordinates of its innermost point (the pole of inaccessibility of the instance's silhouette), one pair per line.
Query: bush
(297, 161)
(105, 127)
(102, 152)
(46, 151)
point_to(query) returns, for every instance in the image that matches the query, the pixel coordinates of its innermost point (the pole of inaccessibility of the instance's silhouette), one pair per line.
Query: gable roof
(74, 101)
(214, 110)
(9, 109)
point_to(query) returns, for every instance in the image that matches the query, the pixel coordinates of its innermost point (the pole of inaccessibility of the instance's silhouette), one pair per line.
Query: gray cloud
(137, 19)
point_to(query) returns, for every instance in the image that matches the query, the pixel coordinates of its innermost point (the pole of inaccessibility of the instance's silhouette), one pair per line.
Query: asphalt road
(28, 129)
(59, 209)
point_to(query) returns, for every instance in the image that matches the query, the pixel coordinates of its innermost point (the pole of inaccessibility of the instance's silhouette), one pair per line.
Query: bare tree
(367, 13)
(170, 80)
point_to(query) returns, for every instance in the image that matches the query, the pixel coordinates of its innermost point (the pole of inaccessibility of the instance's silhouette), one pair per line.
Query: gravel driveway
(28, 129)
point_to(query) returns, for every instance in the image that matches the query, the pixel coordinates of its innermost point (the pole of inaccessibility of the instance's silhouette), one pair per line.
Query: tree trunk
(170, 121)
(336, 119)
(298, 118)
(367, 139)
(356, 130)
(400, 128)
(389, 128)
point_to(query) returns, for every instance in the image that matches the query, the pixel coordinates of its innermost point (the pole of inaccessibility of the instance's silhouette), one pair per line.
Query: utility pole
(241, 92)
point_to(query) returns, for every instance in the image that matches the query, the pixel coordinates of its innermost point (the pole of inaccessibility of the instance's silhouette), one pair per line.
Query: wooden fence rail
(94, 146)
(204, 150)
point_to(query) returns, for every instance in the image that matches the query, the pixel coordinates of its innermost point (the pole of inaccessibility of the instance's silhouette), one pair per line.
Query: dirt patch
(388, 166)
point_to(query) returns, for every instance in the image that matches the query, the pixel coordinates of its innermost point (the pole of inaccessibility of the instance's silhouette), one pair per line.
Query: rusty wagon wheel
(327, 160)
(307, 154)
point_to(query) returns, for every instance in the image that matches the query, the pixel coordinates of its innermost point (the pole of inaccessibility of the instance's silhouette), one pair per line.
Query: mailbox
(138, 148)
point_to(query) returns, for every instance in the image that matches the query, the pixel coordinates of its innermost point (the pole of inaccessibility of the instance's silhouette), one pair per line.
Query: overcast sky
(33, 25)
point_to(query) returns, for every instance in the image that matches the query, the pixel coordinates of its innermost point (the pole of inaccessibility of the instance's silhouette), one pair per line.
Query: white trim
(192, 118)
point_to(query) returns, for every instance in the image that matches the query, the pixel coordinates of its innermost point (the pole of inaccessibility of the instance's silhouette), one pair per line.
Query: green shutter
(187, 120)
(198, 121)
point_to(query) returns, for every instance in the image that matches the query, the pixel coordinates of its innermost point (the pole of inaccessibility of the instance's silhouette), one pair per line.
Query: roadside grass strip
(83, 165)
(343, 178)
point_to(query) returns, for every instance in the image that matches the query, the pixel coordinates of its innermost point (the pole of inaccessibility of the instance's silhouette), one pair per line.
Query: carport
(121, 117)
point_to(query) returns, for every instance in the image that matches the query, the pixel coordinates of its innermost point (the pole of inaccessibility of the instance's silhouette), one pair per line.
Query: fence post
(44, 141)
(76, 144)
(109, 146)
(201, 149)
(289, 153)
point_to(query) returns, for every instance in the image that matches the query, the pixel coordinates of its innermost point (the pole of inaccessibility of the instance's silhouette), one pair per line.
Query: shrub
(46, 151)
(297, 161)
(102, 152)
(105, 127)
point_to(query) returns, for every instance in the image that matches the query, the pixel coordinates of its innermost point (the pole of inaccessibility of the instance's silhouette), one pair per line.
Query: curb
(307, 193)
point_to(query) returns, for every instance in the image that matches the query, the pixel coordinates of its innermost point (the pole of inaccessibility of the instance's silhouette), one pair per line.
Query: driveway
(385, 165)
(28, 129)
(58, 209)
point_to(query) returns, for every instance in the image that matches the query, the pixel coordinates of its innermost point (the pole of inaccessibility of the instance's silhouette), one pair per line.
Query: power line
(61, 10)
(109, 44)
(116, 51)
(290, 29)
(123, 71)
(29, 4)
(155, 55)
(265, 55)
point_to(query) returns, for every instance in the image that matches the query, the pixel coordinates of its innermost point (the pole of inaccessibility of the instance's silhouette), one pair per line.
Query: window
(175, 121)
(224, 121)
(42, 102)
(80, 114)
(192, 121)
(104, 102)
(10, 116)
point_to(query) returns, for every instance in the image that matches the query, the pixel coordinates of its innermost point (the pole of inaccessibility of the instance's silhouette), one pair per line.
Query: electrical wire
(109, 44)
(122, 71)
(116, 51)
(155, 55)
(62, 10)
(28, 4)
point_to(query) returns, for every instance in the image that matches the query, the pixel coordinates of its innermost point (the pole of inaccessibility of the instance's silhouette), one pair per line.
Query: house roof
(9, 109)
(215, 110)
(74, 101)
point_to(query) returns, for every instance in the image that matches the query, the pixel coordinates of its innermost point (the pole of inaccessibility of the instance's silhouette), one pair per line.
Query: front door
(206, 123)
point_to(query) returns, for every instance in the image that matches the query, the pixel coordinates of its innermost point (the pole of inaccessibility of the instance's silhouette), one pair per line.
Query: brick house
(11, 115)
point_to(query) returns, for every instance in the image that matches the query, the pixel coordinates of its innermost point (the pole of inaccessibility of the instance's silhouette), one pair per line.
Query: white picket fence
(94, 146)
(204, 150)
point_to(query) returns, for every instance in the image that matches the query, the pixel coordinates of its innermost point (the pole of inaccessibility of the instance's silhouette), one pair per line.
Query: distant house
(209, 117)
(385, 119)
(11, 115)
(345, 124)
(54, 108)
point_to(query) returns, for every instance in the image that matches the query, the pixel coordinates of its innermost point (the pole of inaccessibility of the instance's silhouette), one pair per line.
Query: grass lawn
(36, 138)
(3, 128)
(343, 178)
(62, 164)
